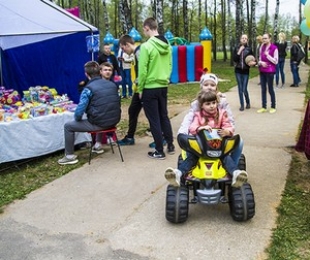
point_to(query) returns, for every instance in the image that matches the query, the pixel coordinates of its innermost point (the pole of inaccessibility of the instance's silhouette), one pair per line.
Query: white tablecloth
(35, 137)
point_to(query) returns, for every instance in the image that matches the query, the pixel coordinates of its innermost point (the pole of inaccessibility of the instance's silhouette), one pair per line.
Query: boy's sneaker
(239, 178)
(126, 141)
(173, 176)
(97, 150)
(65, 160)
(157, 155)
(152, 145)
(171, 149)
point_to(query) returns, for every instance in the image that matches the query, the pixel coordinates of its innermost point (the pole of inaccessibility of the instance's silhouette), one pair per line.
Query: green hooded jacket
(155, 64)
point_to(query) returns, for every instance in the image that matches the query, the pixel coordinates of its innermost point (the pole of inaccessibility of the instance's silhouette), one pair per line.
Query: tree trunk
(214, 44)
(238, 18)
(185, 15)
(276, 21)
(105, 16)
(122, 19)
(230, 33)
(253, 25)
(266, 16)
(223, 25)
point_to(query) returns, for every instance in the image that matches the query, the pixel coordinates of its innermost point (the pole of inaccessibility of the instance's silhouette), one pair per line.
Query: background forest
(225, 19)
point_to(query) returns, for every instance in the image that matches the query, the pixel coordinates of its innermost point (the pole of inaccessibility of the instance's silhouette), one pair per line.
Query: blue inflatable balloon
(304, 27)
(108, 39)
(135, 35)
(303, 1)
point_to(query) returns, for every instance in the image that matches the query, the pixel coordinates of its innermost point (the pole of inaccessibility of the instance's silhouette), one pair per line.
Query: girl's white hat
(209, 76)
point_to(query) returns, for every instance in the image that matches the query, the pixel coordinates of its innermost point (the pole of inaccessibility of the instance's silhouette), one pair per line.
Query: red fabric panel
(198, 62)
(303, 144)
(182, 63)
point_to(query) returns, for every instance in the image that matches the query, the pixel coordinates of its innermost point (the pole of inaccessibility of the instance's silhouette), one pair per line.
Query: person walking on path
(125, 61)
(101, 103)
(297, 54)
(242, 70)
(155, 67)
(259, 41)
(282, 45)
(268, 60)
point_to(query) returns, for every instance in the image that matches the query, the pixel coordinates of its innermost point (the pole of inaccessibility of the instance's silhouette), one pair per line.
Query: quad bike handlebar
(208, 144)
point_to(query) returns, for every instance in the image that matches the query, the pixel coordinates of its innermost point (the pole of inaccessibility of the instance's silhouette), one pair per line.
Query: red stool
(110, 131)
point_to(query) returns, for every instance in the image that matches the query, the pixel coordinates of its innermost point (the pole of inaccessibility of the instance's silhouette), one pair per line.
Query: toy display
(36, 101)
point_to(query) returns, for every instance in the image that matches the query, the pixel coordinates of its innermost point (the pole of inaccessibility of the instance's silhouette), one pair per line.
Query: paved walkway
(111, 210)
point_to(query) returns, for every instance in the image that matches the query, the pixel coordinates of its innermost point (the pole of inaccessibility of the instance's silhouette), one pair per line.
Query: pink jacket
(222, 122)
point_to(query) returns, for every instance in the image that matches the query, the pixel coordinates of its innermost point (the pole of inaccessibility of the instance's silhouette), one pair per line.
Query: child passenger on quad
(199, 118)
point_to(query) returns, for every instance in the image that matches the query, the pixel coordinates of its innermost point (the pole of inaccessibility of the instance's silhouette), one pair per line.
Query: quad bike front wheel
(242, 163)
(241, 203)
(177, 204)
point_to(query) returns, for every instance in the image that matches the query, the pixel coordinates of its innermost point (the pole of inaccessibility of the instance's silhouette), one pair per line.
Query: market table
(35, 137)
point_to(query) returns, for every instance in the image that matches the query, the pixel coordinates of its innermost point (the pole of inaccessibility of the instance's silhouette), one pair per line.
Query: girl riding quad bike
(210, 128)
(209, 182)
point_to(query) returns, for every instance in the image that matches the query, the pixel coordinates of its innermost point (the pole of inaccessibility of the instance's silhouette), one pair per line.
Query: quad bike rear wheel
(177, 204)
(241, 203)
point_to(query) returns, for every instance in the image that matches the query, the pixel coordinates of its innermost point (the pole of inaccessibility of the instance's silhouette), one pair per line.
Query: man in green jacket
(155, 66)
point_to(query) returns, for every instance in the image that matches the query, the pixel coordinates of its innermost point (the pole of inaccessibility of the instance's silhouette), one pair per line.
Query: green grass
(291, 237)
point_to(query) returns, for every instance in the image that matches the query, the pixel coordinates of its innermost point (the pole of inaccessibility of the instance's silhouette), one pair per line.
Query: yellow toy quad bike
(209, 182)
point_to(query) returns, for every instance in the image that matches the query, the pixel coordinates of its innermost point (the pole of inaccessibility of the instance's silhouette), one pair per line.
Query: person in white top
(126, 61)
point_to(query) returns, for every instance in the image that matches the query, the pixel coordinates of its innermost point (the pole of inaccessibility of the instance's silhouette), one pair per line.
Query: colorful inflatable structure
(188, 59)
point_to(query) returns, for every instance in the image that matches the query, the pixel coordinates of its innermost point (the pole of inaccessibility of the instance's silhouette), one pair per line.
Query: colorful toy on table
(70, 107)
(12, 98)
(2, 115)
(63, 106)
(41, 110)
(24, 112)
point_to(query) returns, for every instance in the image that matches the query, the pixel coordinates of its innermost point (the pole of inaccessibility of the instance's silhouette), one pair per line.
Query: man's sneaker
(262, 110)
(97, 150)
(152, 145)
(156, 155)
(239, 178)
(171, 149)
(126, 141)
(65, 160)
(110, 141)
(85, 145)
(173, 176)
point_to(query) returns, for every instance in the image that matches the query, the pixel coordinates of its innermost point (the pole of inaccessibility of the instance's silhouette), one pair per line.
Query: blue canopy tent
(42, 44)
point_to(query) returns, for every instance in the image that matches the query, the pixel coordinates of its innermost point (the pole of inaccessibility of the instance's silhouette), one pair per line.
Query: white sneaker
(239, 178)
(71, 160)
(110, 141)
(97, 149)
(173, 176)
